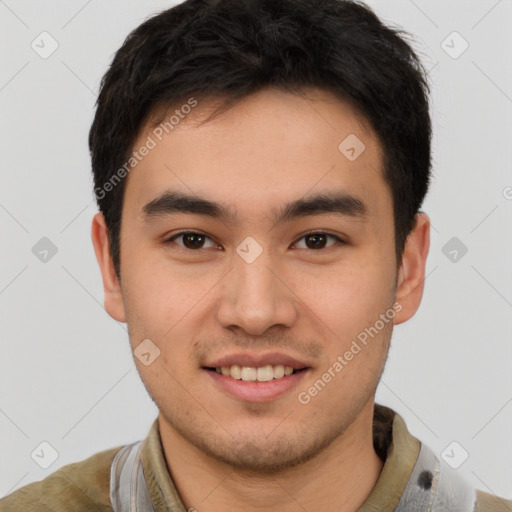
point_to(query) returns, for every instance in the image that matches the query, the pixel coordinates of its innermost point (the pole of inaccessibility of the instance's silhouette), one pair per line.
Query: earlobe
(111, 287)
(411, 275)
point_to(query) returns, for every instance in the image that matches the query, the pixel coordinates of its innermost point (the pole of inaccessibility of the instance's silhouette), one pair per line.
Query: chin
(260, 452)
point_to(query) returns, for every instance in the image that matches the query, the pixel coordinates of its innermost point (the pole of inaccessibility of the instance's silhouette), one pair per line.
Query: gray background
(66, 372)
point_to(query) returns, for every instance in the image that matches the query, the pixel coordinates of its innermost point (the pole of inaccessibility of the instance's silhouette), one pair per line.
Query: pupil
(316, 237)
(190, 236)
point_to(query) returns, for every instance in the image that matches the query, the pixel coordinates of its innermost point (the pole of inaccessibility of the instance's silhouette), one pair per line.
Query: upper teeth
(261, 374)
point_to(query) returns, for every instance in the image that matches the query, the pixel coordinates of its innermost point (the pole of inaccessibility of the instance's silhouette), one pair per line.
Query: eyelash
(170, 240)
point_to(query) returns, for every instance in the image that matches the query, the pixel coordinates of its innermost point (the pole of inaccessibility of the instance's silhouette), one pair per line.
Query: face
(251, 288)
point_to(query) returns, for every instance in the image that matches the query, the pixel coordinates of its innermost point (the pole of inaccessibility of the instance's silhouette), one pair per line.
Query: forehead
(269, 147)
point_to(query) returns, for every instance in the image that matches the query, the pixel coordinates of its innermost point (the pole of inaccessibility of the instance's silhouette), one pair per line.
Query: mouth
(252, 378)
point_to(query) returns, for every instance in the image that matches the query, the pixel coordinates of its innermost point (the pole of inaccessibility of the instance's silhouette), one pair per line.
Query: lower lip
(257, 391)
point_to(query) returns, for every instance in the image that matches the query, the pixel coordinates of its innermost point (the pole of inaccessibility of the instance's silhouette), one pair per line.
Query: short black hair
(231, 48)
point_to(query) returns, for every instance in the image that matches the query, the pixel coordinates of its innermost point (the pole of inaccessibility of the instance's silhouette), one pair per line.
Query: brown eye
(190, 240)
(318, 240)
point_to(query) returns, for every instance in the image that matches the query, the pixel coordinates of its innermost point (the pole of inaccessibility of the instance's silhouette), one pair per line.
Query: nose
(256, 296)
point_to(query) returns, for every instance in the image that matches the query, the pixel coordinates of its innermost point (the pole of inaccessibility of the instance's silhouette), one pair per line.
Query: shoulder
(83, 486)
(489, 503)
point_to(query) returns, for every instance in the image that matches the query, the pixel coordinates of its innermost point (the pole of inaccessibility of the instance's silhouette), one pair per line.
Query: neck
(339, 478)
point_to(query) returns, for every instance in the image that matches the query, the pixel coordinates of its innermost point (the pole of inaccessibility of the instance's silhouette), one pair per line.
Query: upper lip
(257, 360)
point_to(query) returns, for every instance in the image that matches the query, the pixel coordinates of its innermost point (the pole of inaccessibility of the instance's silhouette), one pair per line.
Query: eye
(316, 240)
(191, 240)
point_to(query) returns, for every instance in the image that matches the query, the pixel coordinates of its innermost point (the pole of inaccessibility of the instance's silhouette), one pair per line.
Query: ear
(111, 286)
(411, 275)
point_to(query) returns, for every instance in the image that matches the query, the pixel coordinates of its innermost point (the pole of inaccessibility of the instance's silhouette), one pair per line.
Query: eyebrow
(340, 203)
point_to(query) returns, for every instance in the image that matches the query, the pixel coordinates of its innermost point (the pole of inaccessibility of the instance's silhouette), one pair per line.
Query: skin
(199, 304)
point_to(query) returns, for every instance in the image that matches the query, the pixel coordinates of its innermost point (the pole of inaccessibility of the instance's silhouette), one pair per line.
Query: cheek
(357, 287)
(351, 306)
(164, 301)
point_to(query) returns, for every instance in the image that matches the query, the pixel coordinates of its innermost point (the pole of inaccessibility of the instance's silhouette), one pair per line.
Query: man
(259, 167)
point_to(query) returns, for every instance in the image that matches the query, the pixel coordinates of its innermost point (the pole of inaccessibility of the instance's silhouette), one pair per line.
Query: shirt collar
(402, 453)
